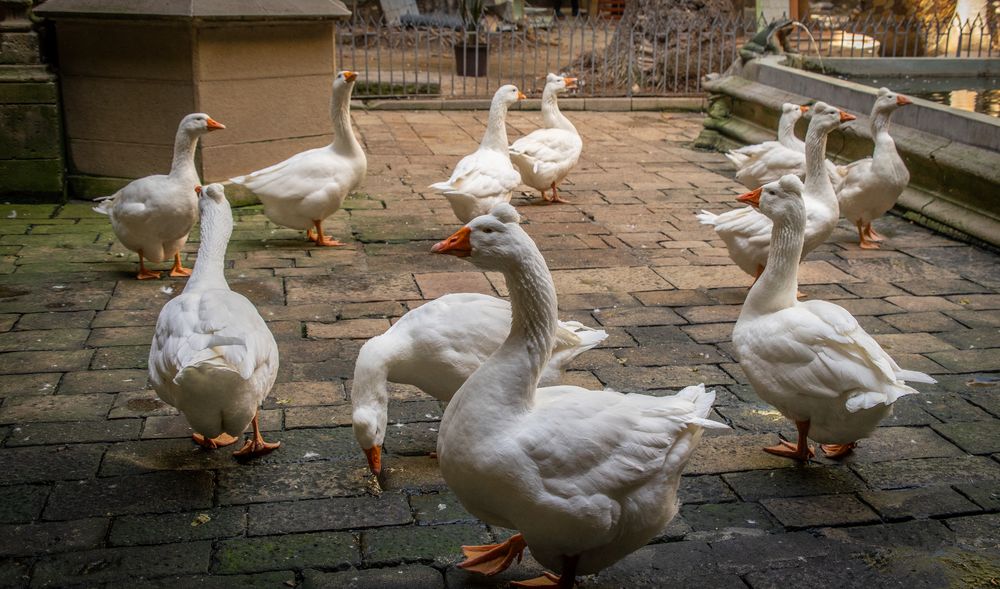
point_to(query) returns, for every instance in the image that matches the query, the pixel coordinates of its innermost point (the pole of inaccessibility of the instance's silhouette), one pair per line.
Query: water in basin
(974, 94)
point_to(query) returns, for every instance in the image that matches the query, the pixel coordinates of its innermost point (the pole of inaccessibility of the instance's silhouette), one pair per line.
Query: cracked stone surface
(101, 485)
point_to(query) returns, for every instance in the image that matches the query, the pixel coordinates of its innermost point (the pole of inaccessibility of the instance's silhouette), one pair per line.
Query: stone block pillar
(31, 147)
(264, 69)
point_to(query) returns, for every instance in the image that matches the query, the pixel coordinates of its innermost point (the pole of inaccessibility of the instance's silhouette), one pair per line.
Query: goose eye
(487, 230)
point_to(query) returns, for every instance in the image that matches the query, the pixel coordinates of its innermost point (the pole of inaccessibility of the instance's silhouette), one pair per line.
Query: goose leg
(837, 450)
(872, 234)
(321, 239)
(865, 243)
(145, 274)
(218, 441)
(565, 581)
(490, 559)
(179, 269)
(798, 451)
(556, 197)
(256, 446)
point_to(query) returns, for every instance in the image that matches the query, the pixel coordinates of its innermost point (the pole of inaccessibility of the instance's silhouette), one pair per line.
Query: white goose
(747, 233)
(212, 356)
(780, 159)
(545, 157)
(811, 360)
(436, 347)
(871, 186)
(302, 191)
(790, 114)
(485, 177)
(586, 477)
(153, 216)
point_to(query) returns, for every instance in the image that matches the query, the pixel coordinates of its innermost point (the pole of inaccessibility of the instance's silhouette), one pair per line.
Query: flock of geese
(584, 476)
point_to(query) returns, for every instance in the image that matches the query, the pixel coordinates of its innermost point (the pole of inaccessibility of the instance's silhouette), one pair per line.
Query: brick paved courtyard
(101, 485)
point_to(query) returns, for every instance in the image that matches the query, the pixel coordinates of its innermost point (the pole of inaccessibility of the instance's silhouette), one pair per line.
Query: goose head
(559, 84)
(494, 241)
(826, 117)
(369, 429)
(888, 101)
(344, 80)
(211, 194)
(779, 200)
(793, 111)
(199, 123)
(508, 95)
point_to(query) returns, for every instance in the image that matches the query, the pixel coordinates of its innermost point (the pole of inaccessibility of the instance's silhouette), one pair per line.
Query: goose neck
(185, 145)
(344, 140)
(216, 227)
(786, 129)
(880, 132)
(552, 117)
(778, 285)
(371, 375)
(817, 180)
(496, 128)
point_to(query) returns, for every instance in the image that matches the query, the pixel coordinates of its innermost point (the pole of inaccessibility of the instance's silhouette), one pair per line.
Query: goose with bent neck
(545, 156)
(305, 189)
(811, 360)
(436, 347)
(485, 177)
(153, 216)
(212, 356)
(585, 476)
(747, 233)
(872, 185)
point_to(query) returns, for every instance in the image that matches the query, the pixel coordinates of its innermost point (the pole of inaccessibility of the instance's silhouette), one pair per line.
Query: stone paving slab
(101, 486)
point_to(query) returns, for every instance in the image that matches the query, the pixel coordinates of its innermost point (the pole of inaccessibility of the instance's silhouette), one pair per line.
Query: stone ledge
(637, 103)
(194, 9)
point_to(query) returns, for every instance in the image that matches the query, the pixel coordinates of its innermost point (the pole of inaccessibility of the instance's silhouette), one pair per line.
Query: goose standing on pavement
(213, 357)
(153, 216)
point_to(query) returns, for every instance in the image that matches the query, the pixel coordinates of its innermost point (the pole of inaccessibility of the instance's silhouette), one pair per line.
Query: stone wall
(31, 149)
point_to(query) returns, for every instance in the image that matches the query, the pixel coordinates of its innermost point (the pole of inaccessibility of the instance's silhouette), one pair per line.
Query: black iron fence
(431, 57)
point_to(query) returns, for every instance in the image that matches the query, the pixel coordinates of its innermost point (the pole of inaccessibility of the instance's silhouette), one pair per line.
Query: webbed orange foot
(873, 235)
(490, 559)
(147, 274)
(835, 451)
(218, 441)
(256, 447)
(178, 269)
(790, 450)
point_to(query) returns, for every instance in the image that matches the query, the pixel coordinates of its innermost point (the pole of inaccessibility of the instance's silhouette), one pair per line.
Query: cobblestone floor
(101, 485)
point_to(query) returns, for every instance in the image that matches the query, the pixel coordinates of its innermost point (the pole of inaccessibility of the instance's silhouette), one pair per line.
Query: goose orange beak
(350, 76)
(197, 189)
(213, 124)
(903, 101)
(457, 245)
(520, 95)
(804, 108)
(751, 198)
(570, 82)
(374, 456)
(844, 117)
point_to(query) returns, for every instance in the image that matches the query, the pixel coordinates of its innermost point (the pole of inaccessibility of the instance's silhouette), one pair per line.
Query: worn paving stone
(901, 443)
(157, 492)
(286, 482)
(103, 381)
(918, 503)
(793, 482)
(712, 521)
(297, 551)
(977, 531)
(43, 339)
(441, 544)
(927, 471)
(819, 510)
(985, 494)
(34, 434)
(439, 507)
(51, 537)
(28, 384)
(268, 580)
(48, 463)
(205, 524)
(33, 408)
(404, 577)
(96, 566)
(22, 503)
(704, 489)
(29, 362)
(976, 437)
(328, 514)
(735, 453)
